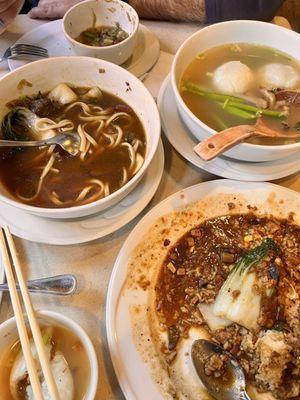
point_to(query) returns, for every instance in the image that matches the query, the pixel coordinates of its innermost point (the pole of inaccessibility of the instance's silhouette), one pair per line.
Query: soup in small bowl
(241, 73)
(102, 36)
(111, 112)
(102, 29)
(72, 360)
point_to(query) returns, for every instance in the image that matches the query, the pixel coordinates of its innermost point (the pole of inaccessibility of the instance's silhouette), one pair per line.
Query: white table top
(92, 262)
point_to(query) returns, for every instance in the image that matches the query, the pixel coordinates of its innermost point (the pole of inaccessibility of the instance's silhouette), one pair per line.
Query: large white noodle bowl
(83, 71)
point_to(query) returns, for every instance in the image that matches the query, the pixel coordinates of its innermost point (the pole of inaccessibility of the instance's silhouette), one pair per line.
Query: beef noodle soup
(112, 147)
(235, 84)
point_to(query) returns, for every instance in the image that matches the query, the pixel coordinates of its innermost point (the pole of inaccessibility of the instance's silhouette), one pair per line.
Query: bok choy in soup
(102, 36)
(237, 84)
(112, 147)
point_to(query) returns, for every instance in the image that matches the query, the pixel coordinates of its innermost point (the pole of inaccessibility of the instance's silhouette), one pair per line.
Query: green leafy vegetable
(103, 35)
(220, 122)
(233, 103)
(238, 112)
(47, 335)
(46, 338)
(297, 126)
(201, 56)
(196, 89)
(90, 34)
(20, 116)
(280, 326)
(237, 299)
(254, 256)
(257, 112)
(6, 126)
(23, 97)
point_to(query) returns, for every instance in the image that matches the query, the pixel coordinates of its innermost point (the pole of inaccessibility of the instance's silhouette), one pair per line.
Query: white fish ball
(278, 76)
(233, 77)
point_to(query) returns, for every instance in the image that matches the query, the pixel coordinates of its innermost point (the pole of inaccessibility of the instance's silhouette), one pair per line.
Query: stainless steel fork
(25, 52)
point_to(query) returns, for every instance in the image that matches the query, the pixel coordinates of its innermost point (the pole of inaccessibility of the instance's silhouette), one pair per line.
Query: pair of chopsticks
(9, 254)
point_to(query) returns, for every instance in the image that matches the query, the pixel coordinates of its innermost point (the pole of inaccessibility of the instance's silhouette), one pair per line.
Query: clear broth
(210, 112)
(73, 351)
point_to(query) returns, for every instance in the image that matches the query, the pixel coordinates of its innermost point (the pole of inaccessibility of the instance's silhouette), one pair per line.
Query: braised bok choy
(22, 117)
(239, 300)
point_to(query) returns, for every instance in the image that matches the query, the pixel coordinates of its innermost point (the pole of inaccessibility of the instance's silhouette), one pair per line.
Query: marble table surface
(92, 262)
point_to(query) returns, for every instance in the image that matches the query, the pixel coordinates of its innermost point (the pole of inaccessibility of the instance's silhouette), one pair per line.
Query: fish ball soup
(68, 361)
(237, 84)
(112, 147)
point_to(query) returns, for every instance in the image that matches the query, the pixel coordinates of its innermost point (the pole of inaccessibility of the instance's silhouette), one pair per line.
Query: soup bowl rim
(112, 46)
(61, 211)
(186, 109)
(78, 331)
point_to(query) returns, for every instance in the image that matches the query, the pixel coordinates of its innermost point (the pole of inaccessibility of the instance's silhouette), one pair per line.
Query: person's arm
(8, 11)
(189, 10)
(208, 11)
(224, 10)
(51, 9)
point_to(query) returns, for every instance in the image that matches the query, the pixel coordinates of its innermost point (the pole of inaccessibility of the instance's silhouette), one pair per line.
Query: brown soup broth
(102, 36)
(200, 71)
(195, 269)
(73, 351)
(20, 170)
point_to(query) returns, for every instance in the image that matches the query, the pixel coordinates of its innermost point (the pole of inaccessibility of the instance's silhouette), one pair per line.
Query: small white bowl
(90, 13)
(9, 334)
(84, 71)
(260, 33)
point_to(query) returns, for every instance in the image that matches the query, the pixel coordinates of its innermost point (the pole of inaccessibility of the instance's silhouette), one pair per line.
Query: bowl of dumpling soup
(72, 359)
(111, 113)
(238, 74)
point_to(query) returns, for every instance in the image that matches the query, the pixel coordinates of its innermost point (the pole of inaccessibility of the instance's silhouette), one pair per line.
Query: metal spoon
(59, 284)
(70, 142)
(234, 386)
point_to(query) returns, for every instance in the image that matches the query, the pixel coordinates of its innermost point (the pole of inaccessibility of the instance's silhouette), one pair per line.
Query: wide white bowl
(9, 334)
(84, 71)
(98, 13)
(233, 32)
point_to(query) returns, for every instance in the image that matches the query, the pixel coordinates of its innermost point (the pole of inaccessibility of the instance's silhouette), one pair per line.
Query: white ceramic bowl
(9, 334)
(233, 32)
(98, 13)
(84, 71)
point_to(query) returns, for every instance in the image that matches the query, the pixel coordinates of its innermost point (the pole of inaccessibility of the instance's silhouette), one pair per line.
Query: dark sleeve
(225, 10)
(28, 6)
